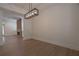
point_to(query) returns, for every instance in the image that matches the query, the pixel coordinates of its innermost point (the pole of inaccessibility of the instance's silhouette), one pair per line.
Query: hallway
(16, 46)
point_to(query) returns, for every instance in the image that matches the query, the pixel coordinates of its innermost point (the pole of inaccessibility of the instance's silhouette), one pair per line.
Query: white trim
(48, 41)
(26, 38)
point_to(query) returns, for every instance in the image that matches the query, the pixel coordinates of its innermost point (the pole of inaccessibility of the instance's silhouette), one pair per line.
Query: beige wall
(58, 25)
(27, 29)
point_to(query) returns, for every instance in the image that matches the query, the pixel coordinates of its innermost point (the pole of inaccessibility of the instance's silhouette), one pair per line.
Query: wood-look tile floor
(16, 46)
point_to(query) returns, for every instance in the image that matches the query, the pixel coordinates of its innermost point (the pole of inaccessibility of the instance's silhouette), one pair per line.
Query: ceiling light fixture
(32, 13)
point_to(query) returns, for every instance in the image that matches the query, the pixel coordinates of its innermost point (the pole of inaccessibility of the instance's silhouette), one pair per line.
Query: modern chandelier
(31, 13)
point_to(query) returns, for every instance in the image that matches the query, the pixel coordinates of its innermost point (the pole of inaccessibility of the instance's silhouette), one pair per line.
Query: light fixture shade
(32, 13)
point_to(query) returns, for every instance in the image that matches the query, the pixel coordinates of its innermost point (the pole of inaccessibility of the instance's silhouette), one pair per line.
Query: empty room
(39, 29)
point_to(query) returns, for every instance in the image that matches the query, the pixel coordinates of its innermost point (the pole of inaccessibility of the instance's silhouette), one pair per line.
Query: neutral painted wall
(27, 28)
(1, 32)
(58, 25)
(10, 27)
(0, 28)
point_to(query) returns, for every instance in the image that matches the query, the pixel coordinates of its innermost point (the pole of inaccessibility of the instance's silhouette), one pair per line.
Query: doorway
(19, 27)
(10, 27)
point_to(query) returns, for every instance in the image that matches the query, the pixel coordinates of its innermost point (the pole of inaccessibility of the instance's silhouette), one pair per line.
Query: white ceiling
(16, 10)
(26, 5)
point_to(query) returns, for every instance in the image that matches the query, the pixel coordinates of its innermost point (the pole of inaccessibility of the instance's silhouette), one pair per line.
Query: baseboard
(26, 38)
(45, 40)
